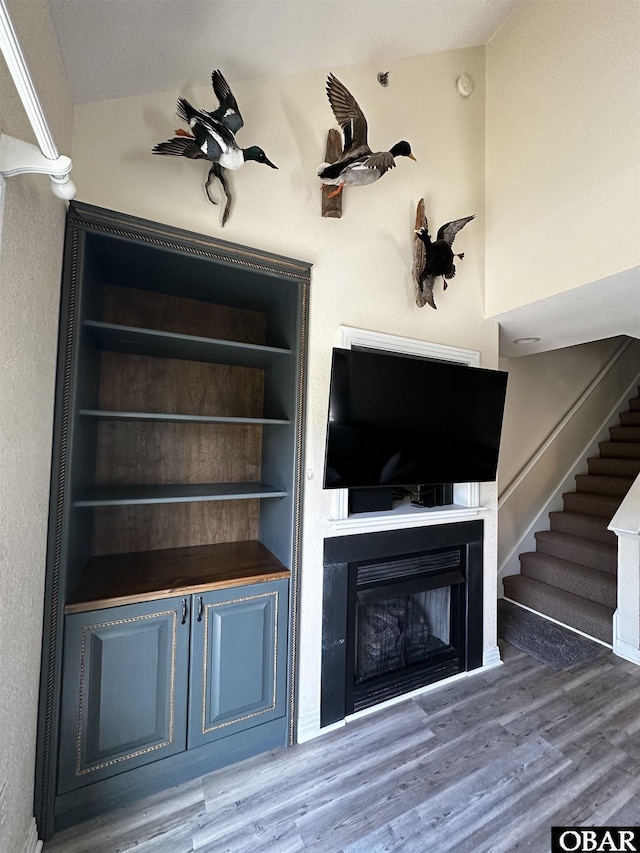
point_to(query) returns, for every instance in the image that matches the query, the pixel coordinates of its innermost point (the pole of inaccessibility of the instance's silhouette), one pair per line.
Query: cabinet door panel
(238, 660)
(124, 690)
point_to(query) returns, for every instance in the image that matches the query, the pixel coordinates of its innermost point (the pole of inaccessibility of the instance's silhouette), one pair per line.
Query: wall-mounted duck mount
(212, 137)
(357, 165)
(433, 259)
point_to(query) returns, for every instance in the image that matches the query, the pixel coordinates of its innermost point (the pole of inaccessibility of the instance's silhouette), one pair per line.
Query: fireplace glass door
(407, 625)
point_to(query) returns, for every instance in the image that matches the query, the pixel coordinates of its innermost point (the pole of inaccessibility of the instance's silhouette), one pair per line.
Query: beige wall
(563, 148)
(30, 257)
(362, 263)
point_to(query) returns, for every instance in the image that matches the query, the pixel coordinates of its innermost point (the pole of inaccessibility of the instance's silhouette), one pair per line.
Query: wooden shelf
(131, 339)
(175, 493)
(180, 418)
(143, 576)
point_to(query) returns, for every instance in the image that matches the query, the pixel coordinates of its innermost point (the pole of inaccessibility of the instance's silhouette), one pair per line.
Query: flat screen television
(397, 419)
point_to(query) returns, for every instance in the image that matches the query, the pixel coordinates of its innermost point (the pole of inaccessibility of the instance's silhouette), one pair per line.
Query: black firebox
(401, 610)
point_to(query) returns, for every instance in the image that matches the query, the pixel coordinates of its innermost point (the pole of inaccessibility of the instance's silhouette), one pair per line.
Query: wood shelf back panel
(150, 309)
(144, 453)
(125, 529)
(142, 383)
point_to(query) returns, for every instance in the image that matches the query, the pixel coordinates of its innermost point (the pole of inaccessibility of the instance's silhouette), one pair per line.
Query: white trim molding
(18, 157)
(32, 843)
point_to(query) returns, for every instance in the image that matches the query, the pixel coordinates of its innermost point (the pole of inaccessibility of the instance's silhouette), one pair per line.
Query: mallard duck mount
(213, 137)
(357, 164)
(433, 259)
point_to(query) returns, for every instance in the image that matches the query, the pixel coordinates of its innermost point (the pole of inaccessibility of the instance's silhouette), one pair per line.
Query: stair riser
(603, 467)
(619, 449)
(602, 506)
(624, 433)
(630, 419)
(611, 486)
(601, 590)
(634, 404)
(583, 556)
(548, 602)
(589, 527)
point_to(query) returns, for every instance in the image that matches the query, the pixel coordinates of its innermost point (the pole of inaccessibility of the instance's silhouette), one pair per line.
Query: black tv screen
(396, 420)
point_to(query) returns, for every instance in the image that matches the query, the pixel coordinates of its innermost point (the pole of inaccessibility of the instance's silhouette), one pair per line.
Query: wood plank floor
(487, 765)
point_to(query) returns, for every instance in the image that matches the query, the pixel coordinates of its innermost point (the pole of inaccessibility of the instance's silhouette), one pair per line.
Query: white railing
(16, 156)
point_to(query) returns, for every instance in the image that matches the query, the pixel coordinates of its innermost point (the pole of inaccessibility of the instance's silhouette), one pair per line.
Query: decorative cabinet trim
(206, 663)
(87, 631)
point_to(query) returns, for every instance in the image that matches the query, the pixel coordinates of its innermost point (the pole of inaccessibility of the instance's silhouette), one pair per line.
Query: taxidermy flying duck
(357, 165)
(438, 256)
(213, 138)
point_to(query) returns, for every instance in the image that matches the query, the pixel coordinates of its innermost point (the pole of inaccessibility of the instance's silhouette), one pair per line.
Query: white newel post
(626, 621)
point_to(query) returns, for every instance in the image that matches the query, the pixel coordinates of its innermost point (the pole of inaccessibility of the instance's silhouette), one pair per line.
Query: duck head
(402, 149)
(257, 154)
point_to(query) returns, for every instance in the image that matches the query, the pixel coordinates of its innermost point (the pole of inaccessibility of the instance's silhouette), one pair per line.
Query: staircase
(572, 575)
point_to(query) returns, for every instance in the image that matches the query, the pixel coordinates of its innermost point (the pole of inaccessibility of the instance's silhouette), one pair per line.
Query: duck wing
(382, 161)
(448, 232)
(179, 146)
(228, 112)
(212, 136)
(348, 115)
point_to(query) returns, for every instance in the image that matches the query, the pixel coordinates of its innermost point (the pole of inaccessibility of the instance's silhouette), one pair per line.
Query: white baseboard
(626, 651)
(308, 727)
(621, 648)
(32, 843)
(491, 658)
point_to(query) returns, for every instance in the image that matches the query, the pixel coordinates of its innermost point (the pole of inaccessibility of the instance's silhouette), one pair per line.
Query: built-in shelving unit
(176, 475)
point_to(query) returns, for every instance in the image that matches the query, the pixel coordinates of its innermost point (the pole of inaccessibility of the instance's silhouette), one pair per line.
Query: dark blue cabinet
(126, 697)
(177, 454)
(238, 660)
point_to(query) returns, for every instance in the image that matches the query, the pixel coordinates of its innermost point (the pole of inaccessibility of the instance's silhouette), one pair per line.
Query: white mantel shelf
(401, 517)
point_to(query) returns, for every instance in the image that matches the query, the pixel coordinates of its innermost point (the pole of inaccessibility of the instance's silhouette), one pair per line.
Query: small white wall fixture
(16, 156)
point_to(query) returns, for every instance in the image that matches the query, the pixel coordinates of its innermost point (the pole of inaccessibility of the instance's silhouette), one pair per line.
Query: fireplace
(401, 610)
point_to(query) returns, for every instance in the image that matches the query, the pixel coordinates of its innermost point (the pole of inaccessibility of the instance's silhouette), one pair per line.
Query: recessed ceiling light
(526, 340)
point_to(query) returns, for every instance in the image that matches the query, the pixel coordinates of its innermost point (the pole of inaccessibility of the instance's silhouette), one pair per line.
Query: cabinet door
(124, 691)
(238, 660)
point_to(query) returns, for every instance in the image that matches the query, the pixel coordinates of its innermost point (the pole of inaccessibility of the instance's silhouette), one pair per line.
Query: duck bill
(269, 163)
(411, 157)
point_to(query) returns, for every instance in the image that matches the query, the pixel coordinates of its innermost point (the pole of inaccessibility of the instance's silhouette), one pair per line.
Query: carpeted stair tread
(576, 549)
(584, 581)
(624, 433)
(620, 449)
(592, 618)
(598, 485)
(588, 504)
(586, 526)
(630, 419)
(609, 467)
